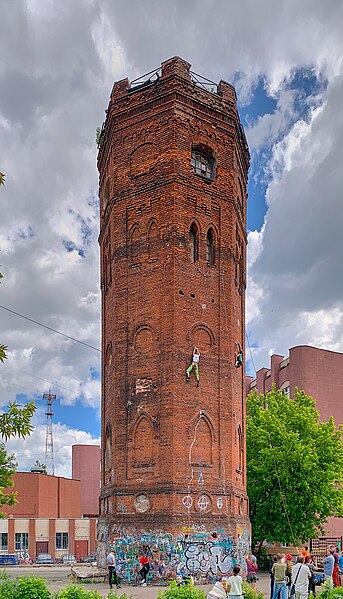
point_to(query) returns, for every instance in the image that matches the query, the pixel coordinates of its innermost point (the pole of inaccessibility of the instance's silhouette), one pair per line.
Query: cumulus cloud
(28, 450)
(295, 276)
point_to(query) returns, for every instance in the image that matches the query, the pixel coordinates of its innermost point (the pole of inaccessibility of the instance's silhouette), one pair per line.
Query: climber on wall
(239, 356)
(195, 365)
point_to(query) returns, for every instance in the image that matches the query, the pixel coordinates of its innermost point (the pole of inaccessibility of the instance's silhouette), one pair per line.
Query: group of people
(299, 579)
(233, 586)
(288, 580)
(144, 568)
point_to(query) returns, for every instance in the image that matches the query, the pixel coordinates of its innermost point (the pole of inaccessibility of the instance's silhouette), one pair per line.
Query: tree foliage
(294, 467)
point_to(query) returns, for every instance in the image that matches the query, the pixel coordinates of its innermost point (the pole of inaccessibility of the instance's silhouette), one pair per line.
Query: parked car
(69, 559)
(89, 559)
(44, 558)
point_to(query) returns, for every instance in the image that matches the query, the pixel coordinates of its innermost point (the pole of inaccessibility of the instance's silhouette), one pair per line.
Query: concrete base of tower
(205, 548)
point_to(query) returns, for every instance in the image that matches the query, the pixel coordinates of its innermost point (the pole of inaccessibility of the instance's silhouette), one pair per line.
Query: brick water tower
(173, 163)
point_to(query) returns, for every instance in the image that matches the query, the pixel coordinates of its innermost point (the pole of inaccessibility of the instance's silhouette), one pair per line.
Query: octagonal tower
(173, 163)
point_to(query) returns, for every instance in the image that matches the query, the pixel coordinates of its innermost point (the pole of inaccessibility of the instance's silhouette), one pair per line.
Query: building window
(203, 163)
(21, 540)
(4, 541)
(193, 243)
(286, 389)
(210, 247)
(62, 540)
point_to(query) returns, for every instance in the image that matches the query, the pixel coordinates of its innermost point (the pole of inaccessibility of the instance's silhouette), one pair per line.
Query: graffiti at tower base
(203, 555)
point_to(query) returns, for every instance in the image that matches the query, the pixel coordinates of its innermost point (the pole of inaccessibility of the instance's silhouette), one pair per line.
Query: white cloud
(28, 450)
(296, 273)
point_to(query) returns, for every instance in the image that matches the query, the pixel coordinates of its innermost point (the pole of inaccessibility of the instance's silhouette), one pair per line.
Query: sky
(58, 62)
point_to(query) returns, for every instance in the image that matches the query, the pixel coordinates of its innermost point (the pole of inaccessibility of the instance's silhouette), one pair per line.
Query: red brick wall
(86, 468)
(32, 537)
(43, 496)
(52, 536)
(10, 535)
(69, 498)
(157, 304)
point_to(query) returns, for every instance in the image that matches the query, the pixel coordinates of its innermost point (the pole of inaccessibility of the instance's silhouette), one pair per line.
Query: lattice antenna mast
(49, 440)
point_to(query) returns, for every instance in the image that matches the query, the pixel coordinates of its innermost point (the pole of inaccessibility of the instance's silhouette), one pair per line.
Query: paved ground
(59, 576)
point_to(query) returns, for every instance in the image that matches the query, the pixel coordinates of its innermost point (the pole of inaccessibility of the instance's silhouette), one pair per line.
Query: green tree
(294, 467)
(15, 421)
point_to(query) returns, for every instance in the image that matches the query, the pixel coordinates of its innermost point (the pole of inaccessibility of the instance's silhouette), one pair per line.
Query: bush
(186, 592)
(7, 589)
(77, 592)
(328, 593)
(114, 595)
(24, 588)
(250, 593)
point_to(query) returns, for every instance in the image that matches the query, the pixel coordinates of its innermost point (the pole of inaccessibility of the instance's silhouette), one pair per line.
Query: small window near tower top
(203, 163)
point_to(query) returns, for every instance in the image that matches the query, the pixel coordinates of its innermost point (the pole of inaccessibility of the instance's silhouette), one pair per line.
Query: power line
(52, 383)
(50, 328)
(251, 356)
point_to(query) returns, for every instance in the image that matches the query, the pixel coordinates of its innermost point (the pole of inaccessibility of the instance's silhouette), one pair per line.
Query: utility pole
(49, 441)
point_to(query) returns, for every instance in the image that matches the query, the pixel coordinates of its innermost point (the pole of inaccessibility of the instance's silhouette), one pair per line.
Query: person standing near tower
(195, 365)
(112, 574)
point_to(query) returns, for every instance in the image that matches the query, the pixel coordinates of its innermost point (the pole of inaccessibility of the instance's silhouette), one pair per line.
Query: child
(235, 583)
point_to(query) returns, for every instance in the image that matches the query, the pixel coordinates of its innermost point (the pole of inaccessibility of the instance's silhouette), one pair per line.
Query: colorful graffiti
(204, 556)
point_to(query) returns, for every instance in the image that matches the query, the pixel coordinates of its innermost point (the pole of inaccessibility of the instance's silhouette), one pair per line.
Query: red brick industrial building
(46, 518)
(318, 372)
(173, 165)
(86, 468)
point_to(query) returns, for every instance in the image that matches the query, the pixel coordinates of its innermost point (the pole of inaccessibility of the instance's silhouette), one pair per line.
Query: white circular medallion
(142, 503)
(203, 503)
(187, 502)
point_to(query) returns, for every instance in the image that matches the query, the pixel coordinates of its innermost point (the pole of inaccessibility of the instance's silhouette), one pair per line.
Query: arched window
(210, 247)
(193, 243)
(135, 236)
(201, 450)
(152, 236)
(108, 449)
(203, 162)
(144, 444)
(107, 193)
(109, 355)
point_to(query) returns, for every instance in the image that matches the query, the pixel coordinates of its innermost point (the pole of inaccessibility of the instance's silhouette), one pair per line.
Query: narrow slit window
(210, 247)
(193, 242)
